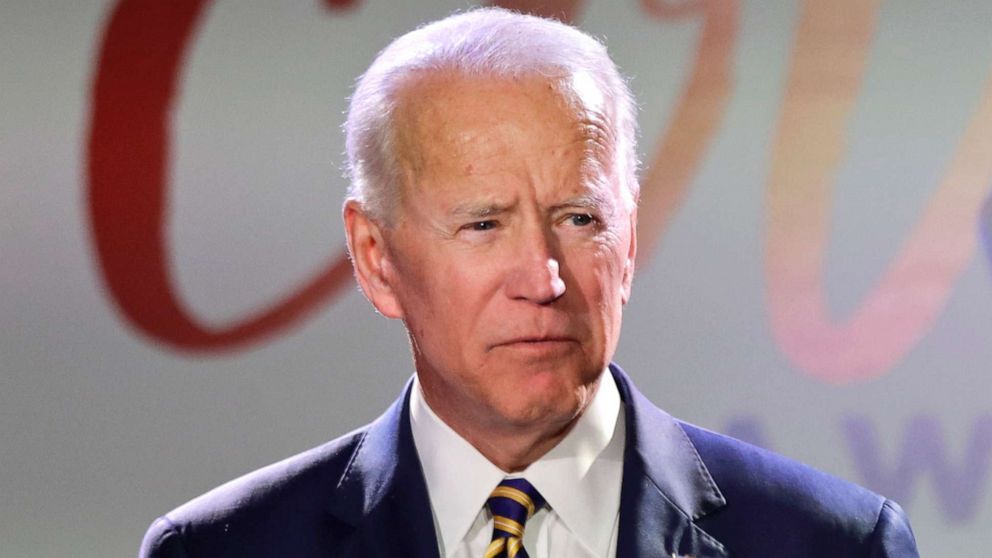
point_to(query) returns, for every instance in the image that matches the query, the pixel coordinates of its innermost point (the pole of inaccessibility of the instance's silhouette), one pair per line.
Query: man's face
(510, 256)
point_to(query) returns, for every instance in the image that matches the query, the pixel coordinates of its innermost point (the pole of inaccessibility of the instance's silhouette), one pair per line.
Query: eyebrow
(596, 200)
(479, 210)
(591, 201)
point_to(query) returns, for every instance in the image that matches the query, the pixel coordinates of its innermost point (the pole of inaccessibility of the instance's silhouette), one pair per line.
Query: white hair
(482, 42)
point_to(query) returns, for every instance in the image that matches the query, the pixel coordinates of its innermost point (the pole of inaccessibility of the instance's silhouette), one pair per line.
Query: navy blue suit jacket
(685, 491)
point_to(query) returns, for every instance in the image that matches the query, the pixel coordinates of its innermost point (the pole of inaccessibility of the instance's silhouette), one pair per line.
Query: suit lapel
(382, 507)
(381, 500)
(666, 487)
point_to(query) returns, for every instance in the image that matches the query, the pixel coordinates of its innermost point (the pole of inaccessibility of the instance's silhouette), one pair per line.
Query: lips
(535, 342)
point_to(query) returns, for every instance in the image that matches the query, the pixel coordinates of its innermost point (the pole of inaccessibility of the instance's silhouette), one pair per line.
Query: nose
(535, 274)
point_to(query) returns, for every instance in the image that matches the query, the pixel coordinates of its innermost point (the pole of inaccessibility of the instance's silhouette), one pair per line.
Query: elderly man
(493, 209)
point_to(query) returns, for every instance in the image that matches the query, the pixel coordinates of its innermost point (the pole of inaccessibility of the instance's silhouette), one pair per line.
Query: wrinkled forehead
(440, 114)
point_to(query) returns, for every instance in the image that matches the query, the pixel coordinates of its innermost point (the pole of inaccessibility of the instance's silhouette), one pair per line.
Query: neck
(515, 451)
(511, 446)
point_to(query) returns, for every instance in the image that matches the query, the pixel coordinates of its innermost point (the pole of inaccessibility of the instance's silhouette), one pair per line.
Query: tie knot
(516, 500)
(511, 503)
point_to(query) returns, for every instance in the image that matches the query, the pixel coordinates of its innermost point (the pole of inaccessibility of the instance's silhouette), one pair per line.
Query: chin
(541, 416)
(548, 399)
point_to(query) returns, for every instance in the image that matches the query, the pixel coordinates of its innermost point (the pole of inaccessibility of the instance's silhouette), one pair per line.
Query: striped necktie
(511, 503)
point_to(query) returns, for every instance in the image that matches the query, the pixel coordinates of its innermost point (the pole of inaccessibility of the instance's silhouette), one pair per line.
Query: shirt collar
(580, 477)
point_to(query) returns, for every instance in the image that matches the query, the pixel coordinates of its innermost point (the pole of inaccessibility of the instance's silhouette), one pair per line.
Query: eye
(581, 219)
(482, 225)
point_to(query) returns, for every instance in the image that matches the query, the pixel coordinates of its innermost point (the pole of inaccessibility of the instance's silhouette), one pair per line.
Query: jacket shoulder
(289, 497)
(764, 477)
(782, 503)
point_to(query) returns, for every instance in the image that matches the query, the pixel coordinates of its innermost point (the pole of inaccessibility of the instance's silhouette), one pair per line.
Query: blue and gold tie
(511, 503)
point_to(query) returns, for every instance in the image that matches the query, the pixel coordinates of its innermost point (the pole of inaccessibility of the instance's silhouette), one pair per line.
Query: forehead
(453, 123)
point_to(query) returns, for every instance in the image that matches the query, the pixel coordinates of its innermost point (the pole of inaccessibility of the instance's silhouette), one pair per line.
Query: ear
(370, 258)
(628, 266)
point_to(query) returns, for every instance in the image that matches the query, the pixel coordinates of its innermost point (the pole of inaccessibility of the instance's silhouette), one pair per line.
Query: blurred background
(176, 309)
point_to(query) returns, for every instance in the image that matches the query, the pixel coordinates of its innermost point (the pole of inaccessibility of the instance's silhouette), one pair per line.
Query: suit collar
(382, 496)
(666, 486)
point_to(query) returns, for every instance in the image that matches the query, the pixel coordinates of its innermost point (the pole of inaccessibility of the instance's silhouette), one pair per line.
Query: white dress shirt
(579, 478)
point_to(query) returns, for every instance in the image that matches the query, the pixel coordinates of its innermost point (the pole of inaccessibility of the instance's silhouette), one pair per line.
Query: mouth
(536, 343)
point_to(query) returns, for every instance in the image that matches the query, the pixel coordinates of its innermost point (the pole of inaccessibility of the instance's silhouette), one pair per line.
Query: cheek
(444, 294)
(606, 268)
(602, 274)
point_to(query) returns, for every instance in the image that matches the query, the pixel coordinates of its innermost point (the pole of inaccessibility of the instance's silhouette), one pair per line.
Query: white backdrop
(812, 279)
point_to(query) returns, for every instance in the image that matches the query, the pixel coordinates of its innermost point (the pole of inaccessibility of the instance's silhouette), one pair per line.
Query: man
(493, 209)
